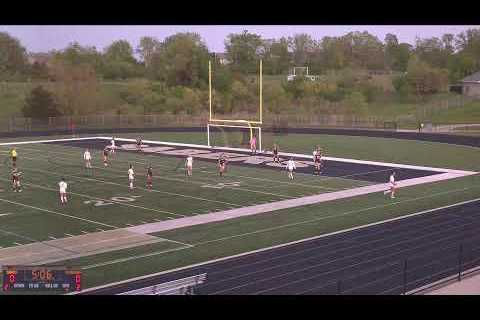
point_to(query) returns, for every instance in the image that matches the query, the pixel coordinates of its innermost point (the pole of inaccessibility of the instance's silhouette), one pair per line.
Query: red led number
(11, 278)
(77, 287)
(77, 278)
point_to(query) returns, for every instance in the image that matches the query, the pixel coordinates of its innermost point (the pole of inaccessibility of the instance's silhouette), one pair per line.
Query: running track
(369, 260)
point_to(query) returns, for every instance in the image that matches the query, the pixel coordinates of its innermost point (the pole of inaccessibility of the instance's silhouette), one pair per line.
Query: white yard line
(164, 177)
(57, 213)
(5, 214)
(91, 197)
(118, 184)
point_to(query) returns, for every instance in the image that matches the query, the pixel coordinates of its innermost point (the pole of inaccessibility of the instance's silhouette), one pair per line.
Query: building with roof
(471, 85)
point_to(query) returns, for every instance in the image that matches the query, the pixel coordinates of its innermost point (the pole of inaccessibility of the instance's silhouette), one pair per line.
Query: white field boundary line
(298, 155)
(282, 204)
(277, 246)
(245, 150)
(45, 141)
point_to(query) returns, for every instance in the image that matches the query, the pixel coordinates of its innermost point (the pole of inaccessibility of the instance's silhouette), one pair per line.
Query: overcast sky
(45, 38)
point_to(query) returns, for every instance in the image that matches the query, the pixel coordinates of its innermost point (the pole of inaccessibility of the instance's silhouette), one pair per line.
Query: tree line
(172, 75)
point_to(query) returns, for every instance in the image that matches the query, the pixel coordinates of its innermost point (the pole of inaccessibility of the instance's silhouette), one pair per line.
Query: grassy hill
(437, 109)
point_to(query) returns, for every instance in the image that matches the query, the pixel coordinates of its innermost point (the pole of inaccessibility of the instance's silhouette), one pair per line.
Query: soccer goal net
(233, 136)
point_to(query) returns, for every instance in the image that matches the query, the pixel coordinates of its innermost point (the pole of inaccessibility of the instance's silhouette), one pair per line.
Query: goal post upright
(210, 89)
(235, 123)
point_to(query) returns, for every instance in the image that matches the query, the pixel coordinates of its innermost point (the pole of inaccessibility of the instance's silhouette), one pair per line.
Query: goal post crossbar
(248, 125)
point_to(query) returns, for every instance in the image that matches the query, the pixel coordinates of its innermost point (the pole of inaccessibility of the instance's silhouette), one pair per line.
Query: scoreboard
(41, 278)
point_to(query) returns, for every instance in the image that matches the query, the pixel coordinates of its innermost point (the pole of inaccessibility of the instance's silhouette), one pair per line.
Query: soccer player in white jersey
(88, 158)
(290, 167)
(131, 177)
(112, 145)
(393, 186)
(189, 164)
(63, 191)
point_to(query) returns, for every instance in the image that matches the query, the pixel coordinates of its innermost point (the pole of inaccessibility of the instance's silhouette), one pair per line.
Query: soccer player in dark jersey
(317, 163)
(139, 144)
(222, 164)
(105, 156)
(275, 154)
(149, 178)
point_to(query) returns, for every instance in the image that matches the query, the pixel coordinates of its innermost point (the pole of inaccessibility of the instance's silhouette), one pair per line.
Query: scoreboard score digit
(41, 278)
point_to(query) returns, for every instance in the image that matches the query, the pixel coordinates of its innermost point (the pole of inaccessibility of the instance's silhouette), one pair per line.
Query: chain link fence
(276, 122)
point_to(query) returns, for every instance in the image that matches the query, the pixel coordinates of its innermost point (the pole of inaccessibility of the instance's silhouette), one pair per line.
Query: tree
(332, 53)
(13, 56)
(433, 51)
(396, 54)
(424, 79)
(119, 62)
(40, 103)
(147, 48)
(364, 50)
(277, 57)
(302, 45)
(39, 71)
(120, 50)
(75, 87)
(182, 60)
(243, 51)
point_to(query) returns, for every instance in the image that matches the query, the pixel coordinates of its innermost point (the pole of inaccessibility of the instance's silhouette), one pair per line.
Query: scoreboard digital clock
(41, 278)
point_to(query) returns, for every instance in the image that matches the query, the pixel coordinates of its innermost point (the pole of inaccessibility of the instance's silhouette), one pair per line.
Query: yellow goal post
(232, 123)
(244, 124)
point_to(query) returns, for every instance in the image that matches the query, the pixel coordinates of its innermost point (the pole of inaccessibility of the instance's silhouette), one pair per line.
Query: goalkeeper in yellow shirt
(14, 156)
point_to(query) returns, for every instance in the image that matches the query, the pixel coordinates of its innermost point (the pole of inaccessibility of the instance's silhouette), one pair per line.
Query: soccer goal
(234, 133)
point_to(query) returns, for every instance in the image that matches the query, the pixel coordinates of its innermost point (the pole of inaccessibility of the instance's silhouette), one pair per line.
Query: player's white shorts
(189, 166)
(131, 179)
(290, 169)
(392, 185)
(63, 193)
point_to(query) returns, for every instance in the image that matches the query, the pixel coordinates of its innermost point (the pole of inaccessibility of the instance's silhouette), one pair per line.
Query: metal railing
(177, 287)
(411, 275)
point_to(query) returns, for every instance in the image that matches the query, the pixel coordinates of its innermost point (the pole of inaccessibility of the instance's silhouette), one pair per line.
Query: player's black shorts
(14, 159)
(275, 152)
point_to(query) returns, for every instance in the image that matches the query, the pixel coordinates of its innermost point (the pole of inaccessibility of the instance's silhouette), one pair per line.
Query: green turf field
(100, 200)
